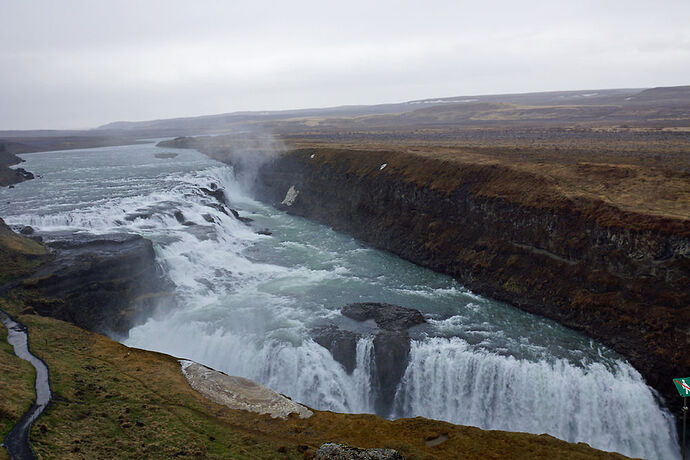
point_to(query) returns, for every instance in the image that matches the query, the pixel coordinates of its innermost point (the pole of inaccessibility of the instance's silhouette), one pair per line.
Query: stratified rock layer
(618, 276)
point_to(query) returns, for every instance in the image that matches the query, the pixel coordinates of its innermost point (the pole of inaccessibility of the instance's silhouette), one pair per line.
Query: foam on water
(247, 303)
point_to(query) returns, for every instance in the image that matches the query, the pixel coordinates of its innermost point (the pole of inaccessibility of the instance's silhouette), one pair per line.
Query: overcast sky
(79, 64)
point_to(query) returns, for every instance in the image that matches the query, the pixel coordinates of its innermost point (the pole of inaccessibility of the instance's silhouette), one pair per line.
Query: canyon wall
(618, 276)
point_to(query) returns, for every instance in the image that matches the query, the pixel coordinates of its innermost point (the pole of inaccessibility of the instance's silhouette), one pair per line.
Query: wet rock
(387, 316)
(24, 174)
(332, 451)
(342, 344)
(104, 283)
(264, 231)
(218, 207)
(391, 353)
(164, 156)
(139, 214)
(217, 193)
(179, 216)
(246, 220)
(27, 230)
(391, 346)
(208, 218)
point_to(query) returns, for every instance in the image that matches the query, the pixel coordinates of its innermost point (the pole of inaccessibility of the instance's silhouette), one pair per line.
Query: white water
(448, 379)
(247, 302)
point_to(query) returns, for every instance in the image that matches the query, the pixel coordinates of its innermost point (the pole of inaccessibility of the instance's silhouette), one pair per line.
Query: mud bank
(618, 276)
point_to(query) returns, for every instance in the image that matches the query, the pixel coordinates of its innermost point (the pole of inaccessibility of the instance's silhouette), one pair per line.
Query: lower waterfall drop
(610, 409)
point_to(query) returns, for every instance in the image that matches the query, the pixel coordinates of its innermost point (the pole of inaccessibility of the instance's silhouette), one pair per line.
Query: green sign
(683, 385)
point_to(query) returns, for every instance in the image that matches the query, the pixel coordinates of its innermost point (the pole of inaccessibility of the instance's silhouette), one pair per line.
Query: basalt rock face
(342, 344)
(391, 345)
(618, 276)
(103, 283)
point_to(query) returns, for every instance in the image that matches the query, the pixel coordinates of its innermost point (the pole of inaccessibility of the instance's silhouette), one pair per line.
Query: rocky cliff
(103, 283)
(617, 275)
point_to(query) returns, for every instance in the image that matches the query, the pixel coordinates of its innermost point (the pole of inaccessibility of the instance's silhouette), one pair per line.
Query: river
(246, 304)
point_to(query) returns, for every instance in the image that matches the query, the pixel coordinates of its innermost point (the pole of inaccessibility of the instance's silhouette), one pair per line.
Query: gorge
(247, 303)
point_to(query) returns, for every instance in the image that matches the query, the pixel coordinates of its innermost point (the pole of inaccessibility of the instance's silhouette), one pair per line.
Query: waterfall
(610, 409)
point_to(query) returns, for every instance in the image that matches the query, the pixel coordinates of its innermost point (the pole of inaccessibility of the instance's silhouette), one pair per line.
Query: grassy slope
(113, 401)
(20, 256)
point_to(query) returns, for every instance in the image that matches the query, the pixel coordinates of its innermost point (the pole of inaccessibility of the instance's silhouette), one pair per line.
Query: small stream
(17, 440)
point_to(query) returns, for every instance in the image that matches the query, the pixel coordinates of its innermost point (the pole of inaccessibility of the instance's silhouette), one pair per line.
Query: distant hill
(210, 123)
(661, 107)
(672, 95)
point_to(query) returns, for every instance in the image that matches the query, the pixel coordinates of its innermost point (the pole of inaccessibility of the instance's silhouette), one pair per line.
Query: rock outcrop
(619, 276)
(386, 316)
(391, 345)
(240, 393)
(103, 283)
(10, 176)
(332, 451)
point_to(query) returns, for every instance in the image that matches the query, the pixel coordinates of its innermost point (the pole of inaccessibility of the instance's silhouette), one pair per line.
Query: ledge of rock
(240, 393)
(387, 316)
(103, 283)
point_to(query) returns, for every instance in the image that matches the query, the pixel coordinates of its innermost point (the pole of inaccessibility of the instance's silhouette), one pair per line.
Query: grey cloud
(81, 63)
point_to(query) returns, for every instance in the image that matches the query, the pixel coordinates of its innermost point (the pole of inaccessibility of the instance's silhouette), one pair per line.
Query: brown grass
(537, 180)
(19, 255)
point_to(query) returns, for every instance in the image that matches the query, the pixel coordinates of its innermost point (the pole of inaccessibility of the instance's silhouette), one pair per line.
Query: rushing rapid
(246, 303)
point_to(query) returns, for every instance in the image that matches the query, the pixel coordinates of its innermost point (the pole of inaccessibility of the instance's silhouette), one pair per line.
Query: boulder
(27, 230)
(387, 316)
(217, 193)
(332, 451)
(181, 219)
